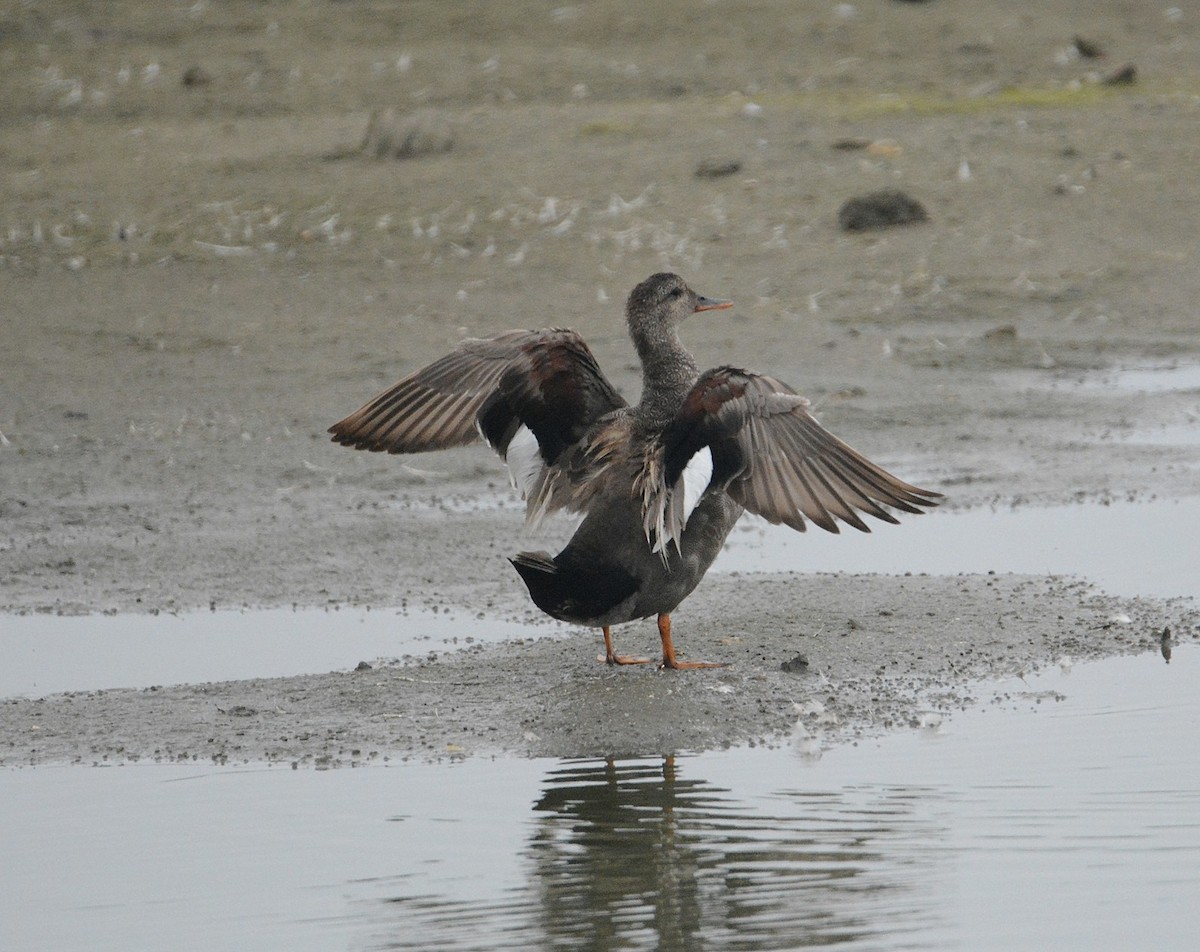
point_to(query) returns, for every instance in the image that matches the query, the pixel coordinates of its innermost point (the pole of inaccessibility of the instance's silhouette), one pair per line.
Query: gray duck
(660, 484)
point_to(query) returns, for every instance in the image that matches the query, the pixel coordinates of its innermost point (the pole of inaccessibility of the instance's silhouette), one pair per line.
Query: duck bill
(711, 304)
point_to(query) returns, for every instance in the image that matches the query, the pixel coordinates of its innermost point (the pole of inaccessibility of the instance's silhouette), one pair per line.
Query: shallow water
(1166, 434)
(45, 654)
(1063, 814)
(1145, 548)
(1170, 389)
(1128, 548)
(1167, 378)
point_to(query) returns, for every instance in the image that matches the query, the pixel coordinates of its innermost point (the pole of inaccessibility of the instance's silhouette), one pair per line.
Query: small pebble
(797, 665)
(1124, 76)
(711, 168)
(195, 76)
(1003, 333)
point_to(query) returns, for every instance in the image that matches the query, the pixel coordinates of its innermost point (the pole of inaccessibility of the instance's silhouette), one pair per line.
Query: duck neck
(668, 372)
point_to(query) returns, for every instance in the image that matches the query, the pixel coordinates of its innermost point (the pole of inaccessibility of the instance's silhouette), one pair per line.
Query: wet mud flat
(863, 654)
(195, 296)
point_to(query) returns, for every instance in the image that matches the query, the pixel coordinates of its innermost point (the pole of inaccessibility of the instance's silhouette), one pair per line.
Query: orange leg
(669, 660)
(611, 657)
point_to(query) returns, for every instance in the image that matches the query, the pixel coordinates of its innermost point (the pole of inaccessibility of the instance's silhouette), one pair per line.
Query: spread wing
(771, 455)
(530, 394)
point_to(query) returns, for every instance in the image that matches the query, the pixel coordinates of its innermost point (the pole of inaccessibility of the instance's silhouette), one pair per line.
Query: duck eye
(676, 293)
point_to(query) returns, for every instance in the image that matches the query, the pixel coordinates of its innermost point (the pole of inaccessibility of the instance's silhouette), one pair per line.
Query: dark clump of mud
(718, 168)
(885, 208)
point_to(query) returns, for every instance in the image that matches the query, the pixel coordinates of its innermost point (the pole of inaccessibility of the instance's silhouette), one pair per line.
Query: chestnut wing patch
(555, 388)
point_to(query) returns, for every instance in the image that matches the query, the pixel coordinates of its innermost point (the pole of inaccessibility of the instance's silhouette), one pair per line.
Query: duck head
(661, 302)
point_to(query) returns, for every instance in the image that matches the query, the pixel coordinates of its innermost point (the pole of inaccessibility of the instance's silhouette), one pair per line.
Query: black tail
(571, 592)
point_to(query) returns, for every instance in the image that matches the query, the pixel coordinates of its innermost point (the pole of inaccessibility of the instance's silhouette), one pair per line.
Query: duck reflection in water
(609, 851)
(633, 855)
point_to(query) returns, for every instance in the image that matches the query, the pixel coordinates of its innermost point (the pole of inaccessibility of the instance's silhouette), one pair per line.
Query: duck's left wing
(531, 395)
(771, 455)
(434, 408)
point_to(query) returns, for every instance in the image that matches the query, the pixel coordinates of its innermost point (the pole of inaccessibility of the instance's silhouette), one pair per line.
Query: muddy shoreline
(914, 648)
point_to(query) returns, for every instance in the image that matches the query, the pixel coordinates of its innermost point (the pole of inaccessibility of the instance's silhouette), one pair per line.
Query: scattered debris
(1123, 76)
(224, 251)
(712, 168)
(1087, 49)
(1005, 333)
(394, 135)
(195, 76)
(887, 148)
(797, 665)
(882, 209)
(850, 144)
(363, 666)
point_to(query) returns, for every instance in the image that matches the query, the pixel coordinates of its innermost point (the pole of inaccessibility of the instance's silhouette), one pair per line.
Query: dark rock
(195, 76)
(1125, 76)
(850, 144)
(797, 665)
(1002, 334)
(882, 209)
(717, 169)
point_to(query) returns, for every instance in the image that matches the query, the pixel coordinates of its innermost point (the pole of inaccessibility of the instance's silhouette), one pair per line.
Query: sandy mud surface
(904, 653)
(201, 271)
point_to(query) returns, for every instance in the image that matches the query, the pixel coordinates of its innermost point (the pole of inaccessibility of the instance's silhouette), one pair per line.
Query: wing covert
(545, 380)
(772, 456)
(434, 408)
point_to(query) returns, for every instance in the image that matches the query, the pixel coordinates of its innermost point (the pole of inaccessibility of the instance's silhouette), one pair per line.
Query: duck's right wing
(530, 394)
(757, 439)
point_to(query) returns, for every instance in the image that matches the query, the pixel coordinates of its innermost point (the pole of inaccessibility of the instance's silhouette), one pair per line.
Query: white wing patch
(524, 460)
(696, 477)
(667, 518)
